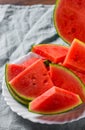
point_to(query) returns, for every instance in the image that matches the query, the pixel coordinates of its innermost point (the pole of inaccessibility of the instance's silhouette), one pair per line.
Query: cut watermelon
(11, 71)
(55, 100)
(75, 58)
(52, 52)
(32, 82)
(66, 79)
(69, 19)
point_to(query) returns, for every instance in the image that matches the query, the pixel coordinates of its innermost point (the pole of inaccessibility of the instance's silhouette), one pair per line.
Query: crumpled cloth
(20, 28)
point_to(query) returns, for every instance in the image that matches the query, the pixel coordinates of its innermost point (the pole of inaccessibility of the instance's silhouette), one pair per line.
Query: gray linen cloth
(20, 28)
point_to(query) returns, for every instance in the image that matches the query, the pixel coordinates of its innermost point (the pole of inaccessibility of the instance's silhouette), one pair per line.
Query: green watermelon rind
(20, 95)
(55, 25)
(53, 113)
(49, 45)
(73, 74)
(14, 95)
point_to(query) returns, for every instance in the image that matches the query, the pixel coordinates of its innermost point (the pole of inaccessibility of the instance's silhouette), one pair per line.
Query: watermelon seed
(34, 83)
(44, 74)
(79, 3)
(71, 17)
(73, 30)
(33, 78)
(45, 81)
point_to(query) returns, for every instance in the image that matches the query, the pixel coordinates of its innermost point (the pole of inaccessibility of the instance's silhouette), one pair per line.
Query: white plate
(22, 111)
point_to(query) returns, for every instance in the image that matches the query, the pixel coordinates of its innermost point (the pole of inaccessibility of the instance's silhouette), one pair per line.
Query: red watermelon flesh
(29, 61)
(69, 19)
(32, 82)
(64, 78)
(79, 74)
(54, 100)
(52, 52)
(75, 58)
(12, 70)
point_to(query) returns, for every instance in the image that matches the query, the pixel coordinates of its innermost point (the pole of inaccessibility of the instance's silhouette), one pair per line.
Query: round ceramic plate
(21, 110)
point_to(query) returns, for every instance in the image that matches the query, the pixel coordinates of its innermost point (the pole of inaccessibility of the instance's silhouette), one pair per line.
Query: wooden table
(27, 2)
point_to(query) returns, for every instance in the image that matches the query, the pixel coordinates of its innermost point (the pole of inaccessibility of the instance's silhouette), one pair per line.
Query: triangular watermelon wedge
(66, 79)
(32, 82)
(52, 52)
(54, 100)
(75, 58)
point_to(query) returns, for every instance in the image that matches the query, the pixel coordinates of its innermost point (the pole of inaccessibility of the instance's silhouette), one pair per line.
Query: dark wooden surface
(27, 2)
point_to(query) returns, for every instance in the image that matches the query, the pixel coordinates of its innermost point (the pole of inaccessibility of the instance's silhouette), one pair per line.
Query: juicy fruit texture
(32, 82)
(13, 70)
(80, 75)
(69, 19)
(55, 100)
(52, 52)
(64, 78)
(29, 61)
(75, 58)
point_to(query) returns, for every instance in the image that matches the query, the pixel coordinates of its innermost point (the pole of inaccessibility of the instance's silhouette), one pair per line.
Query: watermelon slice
(11, 71)
(55, 100)
(52, 52)
(75, 58)
(69, 19)
(66, 79)
(32, 82)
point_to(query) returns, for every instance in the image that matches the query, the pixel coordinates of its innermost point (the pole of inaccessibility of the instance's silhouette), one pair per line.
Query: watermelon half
(69, 19)
(54, 100)
(66, 79)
